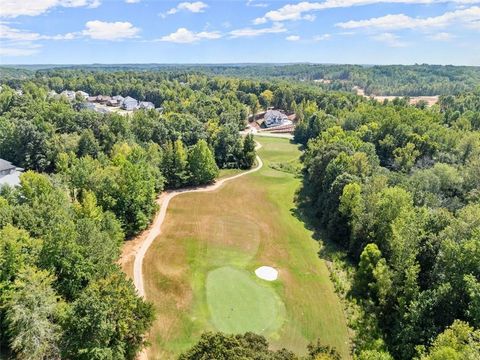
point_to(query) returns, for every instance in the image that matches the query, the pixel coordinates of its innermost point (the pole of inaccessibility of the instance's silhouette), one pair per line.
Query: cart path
(155, 229)
(146, 238)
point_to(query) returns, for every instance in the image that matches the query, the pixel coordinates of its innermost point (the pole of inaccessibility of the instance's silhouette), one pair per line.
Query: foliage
(250, 346)
(392, 185)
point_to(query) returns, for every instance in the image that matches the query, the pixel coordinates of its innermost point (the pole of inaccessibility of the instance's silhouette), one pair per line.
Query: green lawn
(200, 272)
(237, 302)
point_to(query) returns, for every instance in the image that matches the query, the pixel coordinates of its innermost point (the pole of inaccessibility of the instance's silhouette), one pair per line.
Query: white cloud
(390, 39)
(194, 7)
(101, 30)
(442, 36)
(19, 42)
(252, 32)
(469, 17)
(14, 8)
(132, 1)
(292, 38)
(13, 34)
(256, 4)
(322, 37)
(303, 10)
(185, 36)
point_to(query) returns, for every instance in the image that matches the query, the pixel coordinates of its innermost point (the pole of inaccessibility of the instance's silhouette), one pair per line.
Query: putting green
(238, 302)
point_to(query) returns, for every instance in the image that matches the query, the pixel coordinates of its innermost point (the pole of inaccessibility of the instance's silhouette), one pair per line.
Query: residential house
(103, 99)
(9, 173)
(275, 118)
(129, 103)
(119, 98)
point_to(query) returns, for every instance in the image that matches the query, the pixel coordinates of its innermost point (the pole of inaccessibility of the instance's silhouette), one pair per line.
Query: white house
(129, 103)
(275, 118)
(9, 174)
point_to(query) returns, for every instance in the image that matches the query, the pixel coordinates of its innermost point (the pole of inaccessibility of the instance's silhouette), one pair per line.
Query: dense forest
(397, 80)
(91, 180)
(395, 188)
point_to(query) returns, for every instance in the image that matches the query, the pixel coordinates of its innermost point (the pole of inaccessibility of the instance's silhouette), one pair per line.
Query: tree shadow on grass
(305, 212)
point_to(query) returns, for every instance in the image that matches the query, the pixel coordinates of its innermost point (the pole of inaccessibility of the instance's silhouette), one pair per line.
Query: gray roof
(275, 114)
(129, 99)
(6, 165)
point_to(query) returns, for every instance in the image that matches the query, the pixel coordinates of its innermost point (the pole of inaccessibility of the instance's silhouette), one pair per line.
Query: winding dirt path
(146, 239)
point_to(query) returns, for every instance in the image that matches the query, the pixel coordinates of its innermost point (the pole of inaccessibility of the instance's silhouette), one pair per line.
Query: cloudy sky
(221, 31)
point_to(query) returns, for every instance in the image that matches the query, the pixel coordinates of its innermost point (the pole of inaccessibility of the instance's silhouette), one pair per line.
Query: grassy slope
(245, 224)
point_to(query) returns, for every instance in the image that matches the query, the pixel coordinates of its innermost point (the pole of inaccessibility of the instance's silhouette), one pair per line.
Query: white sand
(266, 273)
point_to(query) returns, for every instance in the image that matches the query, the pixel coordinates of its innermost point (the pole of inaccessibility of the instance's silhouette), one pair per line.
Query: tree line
(400, 80)
(397, 188)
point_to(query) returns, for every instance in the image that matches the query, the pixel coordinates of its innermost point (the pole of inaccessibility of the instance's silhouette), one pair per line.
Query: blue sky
(220, 31)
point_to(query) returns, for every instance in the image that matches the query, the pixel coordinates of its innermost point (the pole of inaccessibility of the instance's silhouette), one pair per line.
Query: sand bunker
(266, 273)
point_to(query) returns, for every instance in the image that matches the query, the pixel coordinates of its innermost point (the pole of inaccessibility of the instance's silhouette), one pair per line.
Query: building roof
(275, 114)
(146, 105)
(6, 165)
(129, 99)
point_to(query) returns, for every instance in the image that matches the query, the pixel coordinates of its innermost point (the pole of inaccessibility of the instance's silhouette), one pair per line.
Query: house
(83, 94)
(9, 173)
(147, 105)
(113, 102)
(129, 103)
(103, 99)
(275, 118)
(92, 99)
(118, 98)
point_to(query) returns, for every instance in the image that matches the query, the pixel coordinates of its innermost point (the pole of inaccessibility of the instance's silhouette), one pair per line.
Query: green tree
(30, 315)
(458, 342)
(108, 321)
(249, 154)
(405, 157)
(221, 346)
(175, 164)
(266, 99)
(88, 145)
(201, 164)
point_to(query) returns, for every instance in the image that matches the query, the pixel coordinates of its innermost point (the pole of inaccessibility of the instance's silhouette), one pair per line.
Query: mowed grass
(212, 243)
(237, 303)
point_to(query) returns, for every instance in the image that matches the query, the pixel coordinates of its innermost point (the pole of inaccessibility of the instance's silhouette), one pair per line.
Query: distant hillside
(401, 80)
